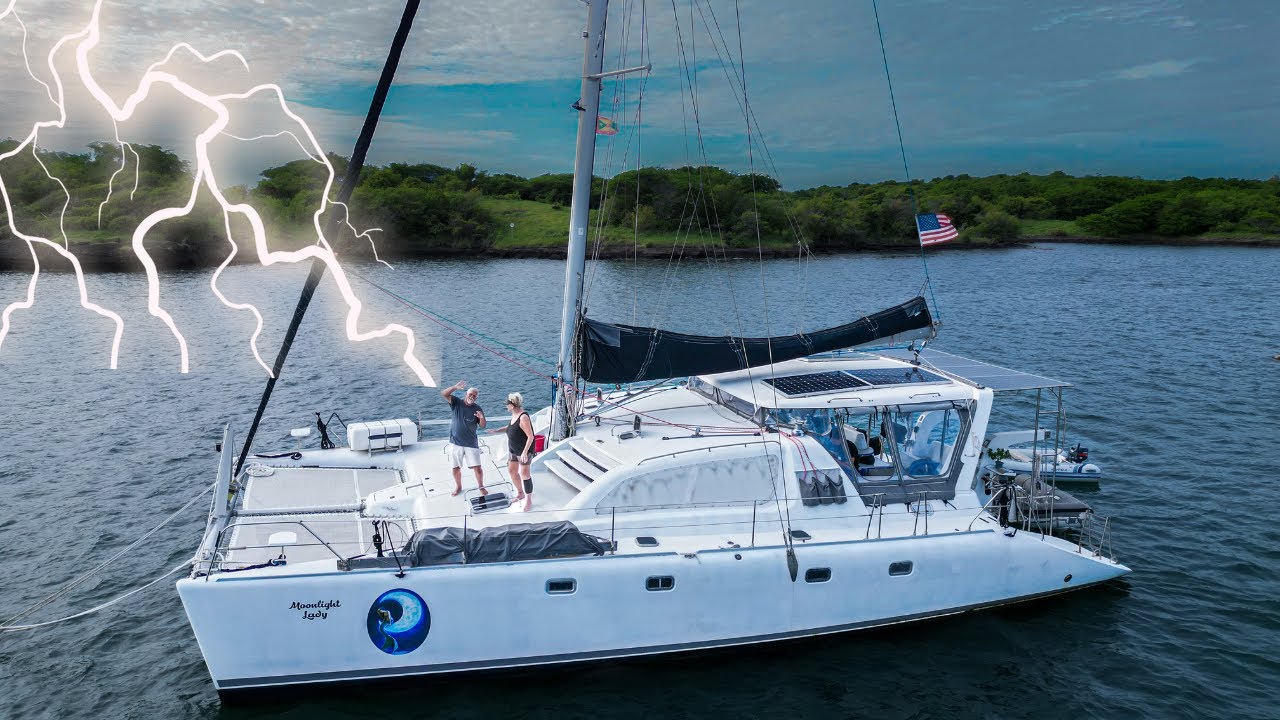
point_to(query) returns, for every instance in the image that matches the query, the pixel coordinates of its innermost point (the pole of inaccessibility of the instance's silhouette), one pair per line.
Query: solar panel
(985, 374)
(815, 383)
(898, 376)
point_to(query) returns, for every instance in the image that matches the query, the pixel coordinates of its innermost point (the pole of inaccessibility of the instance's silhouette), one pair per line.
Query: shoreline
(111, 256)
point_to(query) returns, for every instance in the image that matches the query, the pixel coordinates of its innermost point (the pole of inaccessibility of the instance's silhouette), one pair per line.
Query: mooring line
(9, 625)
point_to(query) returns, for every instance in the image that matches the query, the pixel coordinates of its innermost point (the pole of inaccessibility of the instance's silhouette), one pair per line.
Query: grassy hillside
(539, 225)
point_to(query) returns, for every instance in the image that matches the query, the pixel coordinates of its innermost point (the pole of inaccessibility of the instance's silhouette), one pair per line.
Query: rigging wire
(802, 246)
(911, 192)
(787, 539)
(438, 316)
(430, 316)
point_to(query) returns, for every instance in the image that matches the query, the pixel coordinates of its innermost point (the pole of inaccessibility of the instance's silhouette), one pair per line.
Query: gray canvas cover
(526, 541)
(437, 546)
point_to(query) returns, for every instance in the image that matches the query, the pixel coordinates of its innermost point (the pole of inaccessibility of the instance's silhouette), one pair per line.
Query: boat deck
(323, 504)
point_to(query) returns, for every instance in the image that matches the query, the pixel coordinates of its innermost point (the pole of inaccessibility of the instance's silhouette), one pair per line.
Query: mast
(583, 167)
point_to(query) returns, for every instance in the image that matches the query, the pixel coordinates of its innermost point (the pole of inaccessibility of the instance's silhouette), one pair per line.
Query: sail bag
(624, 353)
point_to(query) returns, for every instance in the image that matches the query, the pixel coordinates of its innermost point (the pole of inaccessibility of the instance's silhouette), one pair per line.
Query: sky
(1151, 88)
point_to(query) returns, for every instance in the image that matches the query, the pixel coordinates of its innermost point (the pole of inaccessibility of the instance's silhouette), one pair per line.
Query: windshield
(884, 445)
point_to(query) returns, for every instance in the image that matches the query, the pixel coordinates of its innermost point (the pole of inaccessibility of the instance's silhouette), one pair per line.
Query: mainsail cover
(625, 353)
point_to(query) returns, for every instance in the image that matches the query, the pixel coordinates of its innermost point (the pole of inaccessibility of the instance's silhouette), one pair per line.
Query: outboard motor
(1078, 454)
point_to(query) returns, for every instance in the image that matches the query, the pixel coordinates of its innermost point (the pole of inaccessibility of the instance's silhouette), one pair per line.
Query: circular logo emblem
(398, 621)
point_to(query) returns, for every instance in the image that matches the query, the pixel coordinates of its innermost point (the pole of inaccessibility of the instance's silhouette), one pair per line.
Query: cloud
(1148, 12)
(1158, 69)
(490, 83)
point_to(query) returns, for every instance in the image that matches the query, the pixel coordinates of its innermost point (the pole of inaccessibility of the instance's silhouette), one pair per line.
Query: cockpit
(899, 453)
(894, 430)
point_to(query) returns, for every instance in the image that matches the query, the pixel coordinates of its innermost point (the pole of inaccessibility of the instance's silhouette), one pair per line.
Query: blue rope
(915, 208)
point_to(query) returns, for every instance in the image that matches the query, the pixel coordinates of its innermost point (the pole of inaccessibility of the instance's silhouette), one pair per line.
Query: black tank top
(516, 437)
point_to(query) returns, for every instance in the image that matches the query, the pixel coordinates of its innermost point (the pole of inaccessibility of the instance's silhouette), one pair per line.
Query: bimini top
(850, 380)
(999, 379)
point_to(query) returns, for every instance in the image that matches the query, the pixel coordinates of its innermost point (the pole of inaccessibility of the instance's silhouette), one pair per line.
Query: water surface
(1176, 393)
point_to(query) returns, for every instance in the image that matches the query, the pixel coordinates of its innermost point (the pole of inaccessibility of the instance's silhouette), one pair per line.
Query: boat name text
(318, 610)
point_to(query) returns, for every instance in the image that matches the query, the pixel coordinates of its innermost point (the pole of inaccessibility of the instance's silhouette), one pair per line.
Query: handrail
(875, 510)
(1099, 541)
(760, 441)
(304, 526)
(983, 509)
(878, 507)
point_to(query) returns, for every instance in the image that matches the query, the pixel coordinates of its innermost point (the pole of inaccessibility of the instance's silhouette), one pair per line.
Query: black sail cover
(624, 353)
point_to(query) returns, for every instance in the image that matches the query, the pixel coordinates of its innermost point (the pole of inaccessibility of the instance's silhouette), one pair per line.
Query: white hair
(516, 399)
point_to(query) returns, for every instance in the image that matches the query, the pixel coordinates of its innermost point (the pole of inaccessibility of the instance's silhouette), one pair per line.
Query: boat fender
(793, 565)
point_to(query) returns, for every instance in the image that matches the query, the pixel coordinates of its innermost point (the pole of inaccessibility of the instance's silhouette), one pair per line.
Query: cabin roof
(982, 374)
(853, 379)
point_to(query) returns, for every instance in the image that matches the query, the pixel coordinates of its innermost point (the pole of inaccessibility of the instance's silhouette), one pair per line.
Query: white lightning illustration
(58, 98)
(88, 38)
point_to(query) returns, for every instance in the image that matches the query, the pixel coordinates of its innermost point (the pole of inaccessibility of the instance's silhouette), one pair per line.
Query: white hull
(484, 617)
(702, 515)
(1064, 472)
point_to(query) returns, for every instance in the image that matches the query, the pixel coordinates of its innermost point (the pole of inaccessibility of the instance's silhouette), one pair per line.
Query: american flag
(935, 229)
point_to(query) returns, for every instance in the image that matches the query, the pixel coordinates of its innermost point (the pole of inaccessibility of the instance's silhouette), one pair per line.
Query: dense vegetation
(425, 208)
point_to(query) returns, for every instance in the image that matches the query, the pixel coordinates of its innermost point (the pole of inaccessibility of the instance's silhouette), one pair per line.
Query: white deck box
(382, 434)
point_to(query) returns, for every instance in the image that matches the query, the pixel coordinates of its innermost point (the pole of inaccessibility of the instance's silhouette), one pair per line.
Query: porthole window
(658, 583)
(902, 567)
(647, 541)
(562, 586)
(817, 575)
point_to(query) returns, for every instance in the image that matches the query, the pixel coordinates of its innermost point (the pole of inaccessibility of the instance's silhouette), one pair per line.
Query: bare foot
(519, 497)
(483, 491)
(528, 504)
(456, 491)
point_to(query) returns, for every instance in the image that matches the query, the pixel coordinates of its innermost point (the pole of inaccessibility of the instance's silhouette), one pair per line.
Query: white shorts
(464, 456)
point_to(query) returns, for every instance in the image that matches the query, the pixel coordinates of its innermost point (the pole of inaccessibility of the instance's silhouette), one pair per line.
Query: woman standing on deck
(520, 449)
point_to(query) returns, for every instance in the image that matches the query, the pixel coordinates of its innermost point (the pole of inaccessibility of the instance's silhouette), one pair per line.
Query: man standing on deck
(464, 446)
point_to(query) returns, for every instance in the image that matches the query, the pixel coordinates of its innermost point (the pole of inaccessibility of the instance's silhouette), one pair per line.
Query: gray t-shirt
(462, 431)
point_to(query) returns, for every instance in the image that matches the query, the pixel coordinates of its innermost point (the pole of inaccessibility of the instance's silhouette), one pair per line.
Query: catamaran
(722, 491)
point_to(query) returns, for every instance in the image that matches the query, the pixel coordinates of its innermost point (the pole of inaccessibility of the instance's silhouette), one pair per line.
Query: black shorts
(515, 458)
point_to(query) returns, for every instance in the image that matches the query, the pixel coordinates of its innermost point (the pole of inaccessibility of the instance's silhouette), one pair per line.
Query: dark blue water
(1176, 393)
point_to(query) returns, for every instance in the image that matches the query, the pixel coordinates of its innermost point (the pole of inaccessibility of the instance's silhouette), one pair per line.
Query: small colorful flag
(935, 229)
(606, 126)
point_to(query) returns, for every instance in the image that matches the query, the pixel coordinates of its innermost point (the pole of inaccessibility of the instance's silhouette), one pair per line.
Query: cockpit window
(928, 445)
(884, 445)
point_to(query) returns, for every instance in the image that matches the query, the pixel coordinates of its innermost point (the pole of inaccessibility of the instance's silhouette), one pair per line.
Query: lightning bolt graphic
(86, 40)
